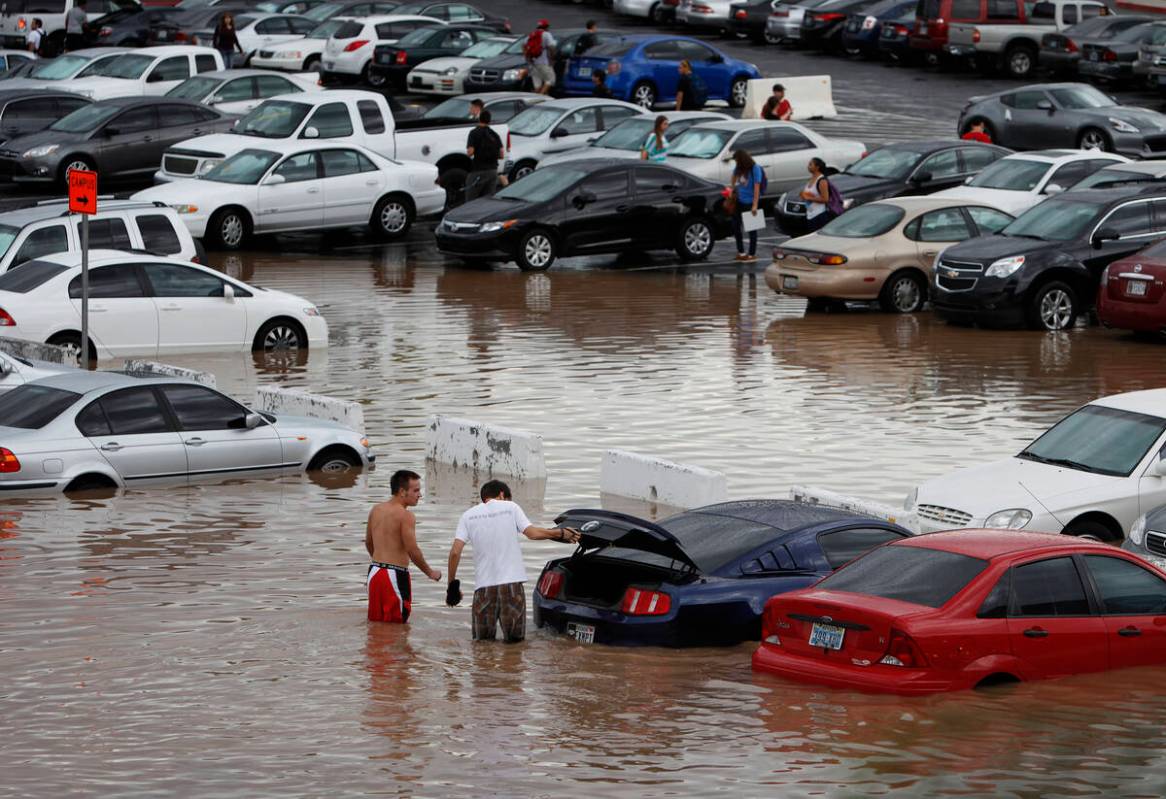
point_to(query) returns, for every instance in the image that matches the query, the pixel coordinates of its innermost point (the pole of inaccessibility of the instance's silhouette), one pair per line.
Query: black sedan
(749, 19)
(392, 62)
(508, 72)
(25, 111)
(864, 28)
(455, 13)
(822, 27)
(1043, 269)
(588, 206)
(129, 26)
(1061, 52)
(898, 170)
(699, 578)
(122, 138)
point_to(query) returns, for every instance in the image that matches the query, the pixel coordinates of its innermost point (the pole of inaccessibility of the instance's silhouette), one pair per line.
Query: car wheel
(312, 64)
(282, 335)
(536, 251)
(657, 14)
(522, 169)
(738, 93)
(334, 460)
(71, 343)
(644, 94)
(1093, 531)
(369, 79)
(1020, 61)
(1053, 307)
(1094, 139)
(772, 38)
(78, 162)
(229, 228)
(392, 217)
(695, 240)
(904, 292)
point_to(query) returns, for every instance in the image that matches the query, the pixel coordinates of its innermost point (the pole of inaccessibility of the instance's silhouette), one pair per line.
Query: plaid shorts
(505, 604)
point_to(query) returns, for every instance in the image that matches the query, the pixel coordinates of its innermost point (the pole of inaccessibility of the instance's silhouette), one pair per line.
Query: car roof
(927, 202)
(780, 514)
(1150, 401)
(930, 145)
(236, 73)
(567, 103)
(8, 95)
(83, 381)
(329, 96)
(93, 52)
(1103, 195)
(1057, 156)
(283, 146)
(72, 260)
(644, 38)
(491, 96)
(59, 209)
(988, 544)
(377, 19)
(176, 49)
(745, 124)
(149, 99)
(1156, 168)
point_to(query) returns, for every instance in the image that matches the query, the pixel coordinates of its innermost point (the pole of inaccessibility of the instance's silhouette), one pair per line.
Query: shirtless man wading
(391, 541)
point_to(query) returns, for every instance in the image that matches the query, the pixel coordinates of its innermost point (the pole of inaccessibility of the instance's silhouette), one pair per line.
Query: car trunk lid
(601, 529)
(836, 626)
(1136, 282)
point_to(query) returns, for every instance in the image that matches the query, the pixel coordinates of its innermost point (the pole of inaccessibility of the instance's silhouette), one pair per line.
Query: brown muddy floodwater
(209, 640)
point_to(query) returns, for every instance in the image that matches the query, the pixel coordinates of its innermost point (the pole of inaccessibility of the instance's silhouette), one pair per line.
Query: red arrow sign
(82, 191)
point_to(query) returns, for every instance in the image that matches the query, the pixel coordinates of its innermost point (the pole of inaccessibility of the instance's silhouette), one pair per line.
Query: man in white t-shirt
(492, 529)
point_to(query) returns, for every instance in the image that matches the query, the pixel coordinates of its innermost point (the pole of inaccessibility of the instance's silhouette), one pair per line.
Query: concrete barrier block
(292, 401)
(680, 485)
(153, 369)
(821, 496)
(36, 351)
(811, 96)
(486, 448)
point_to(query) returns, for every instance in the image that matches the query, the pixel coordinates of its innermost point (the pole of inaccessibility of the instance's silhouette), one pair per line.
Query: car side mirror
(592, 140)
(1054, 188)
(1103, 235)
(229, 290)
(252, 420)
(310, 133)
(111, 131)
(214, 99)
(558, 133)
(583, 199)
(922, 177)
(716, 58)
(1045, 105)
(274, 180)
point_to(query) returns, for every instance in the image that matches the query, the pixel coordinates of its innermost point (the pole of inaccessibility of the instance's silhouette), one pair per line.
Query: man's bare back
(391, 534)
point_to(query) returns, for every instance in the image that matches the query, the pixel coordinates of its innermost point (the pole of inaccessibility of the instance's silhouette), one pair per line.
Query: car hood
(442, 64)
(22, 143)
(587, 152)
(112, 87)
(1007, 200)
(287, 421)
(503, 61)
(487, 209)
(600, 528)
(1141, 118)
(864, 188)
(990, 248)
(226, 144)
(191, 191)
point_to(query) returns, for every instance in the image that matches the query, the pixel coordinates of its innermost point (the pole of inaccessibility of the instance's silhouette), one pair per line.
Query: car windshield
(453, 108)
(194, 88)
(516, 47)
(486, 49)
(918, 575)
(1097, 439)
(534, 121)
(31, 407)
(85, 119)
(863, 221)
(1081, 97)
(542, 184)
(128, 67)
(8, 235)
(325, 29)
(323, 11)
(1011, 174)
(59, 68)
(414, 38)
(700, 143)
(274, 119)
(1110, 177)
(890, 163)
(245, 167)
(1054, 220)
(627, 135)
(29, 275)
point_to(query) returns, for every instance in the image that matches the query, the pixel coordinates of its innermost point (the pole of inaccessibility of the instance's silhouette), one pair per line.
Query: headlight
(450, 71)
(1121, 126)
(42, 151)
(909, 502)
(311, 310)
(185, 209)
(85, 93)
(494, 227)
(1012, 519)
(514, 74)
(1005, 267)
(1138, 531)
(207, 166)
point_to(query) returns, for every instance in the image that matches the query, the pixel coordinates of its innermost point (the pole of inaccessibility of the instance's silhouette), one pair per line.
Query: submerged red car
(962, 609)
(1133, 292)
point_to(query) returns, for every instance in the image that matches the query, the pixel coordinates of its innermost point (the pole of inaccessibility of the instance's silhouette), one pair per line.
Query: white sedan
(238, 91)
(284, 186)
(260, 31)
(147, 305)
(558, 126)
(447, 75)
(301, 54)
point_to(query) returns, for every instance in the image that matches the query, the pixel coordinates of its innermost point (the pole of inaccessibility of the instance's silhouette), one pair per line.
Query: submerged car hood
(601, 528)
(989, 248)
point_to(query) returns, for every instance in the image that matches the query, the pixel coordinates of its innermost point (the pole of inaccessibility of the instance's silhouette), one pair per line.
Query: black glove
(453, 593)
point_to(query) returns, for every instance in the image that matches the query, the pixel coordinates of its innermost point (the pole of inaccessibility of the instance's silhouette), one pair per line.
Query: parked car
(881, 251)
(128, 26)
(1124, 174)
(25, 111)
(1126, 57)
(48, 228)
(358, 10)
(508, 72)
(348, 52)
(77, 64)
(122, 139)
(644, 69)
(748, 18)
(143, 304)
(503, 106)
(896, 170)
(1020, 181)
(626, 139)
(863, 32)
(705, 15)
(823, 26)
(929, 38)
(149, 71)
(632, 581)
(299, 55)
(456, 14)
(559, 126)
(785, 21)
(1147, 539)
(82, 430)
(447, 75)
(1044, 268)
(1150, 63)
(1130, 297)
(11, 59)
(391, 63)
(585, 207)
(257, 31)
(1060, 52)
(19, 70)
(1028, 607)
(658, 11)
(238, 91)
(280, 186)
(16, 19)
(16, 370)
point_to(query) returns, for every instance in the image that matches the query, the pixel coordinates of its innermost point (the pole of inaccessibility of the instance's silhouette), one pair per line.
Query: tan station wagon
(880, 251)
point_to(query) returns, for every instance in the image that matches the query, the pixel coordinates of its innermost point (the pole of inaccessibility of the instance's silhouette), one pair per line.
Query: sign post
(83, 200)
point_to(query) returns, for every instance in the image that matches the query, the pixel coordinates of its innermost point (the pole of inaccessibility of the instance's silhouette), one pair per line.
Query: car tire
(535, 251)
(369, 79)
(313, 64)
(392, 216)
(644, 95)
(1091, 530)
(522, 169)
(334, 460)
(74, 162)
(90, 482)
(695, 240)
(1053, 306)
(229, 228)
(1094, 139)
(1020, 61)
(904, 291)
(280, 335)
(71, 340)
(738, 92)
(657, 14)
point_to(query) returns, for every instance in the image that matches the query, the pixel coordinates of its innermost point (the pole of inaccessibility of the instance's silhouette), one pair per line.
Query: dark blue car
(864, 29)
(699, 578)
(644, 69)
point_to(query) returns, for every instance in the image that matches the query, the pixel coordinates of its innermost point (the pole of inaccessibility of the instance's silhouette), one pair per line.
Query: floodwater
(209, 640)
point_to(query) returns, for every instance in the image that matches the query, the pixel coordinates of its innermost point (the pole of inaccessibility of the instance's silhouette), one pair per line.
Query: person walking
(492, 529)
(656, 145)
(539, 52)
(817, 195)
(744, 197)
(777, 108)
(391, 540)
(599, 85)
(484, 147)
(588, 39)
(76, 23)
(226, 40)
(35, 35)
(690, 92)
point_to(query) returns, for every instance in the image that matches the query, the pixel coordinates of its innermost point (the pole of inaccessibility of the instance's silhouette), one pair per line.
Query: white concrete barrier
(486, 448)
(680, 485)
(294, 402)
(811, 96)
(154, 369)
(820, 496)
(36, 351)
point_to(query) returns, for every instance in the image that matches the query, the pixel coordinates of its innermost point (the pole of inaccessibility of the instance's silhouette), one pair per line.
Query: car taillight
(902, 30)
(1070, 46)
(828, 16)
(976, 36)
(826, 259)
(780, 14)
(402, 56)
(507, 141)
(903, 651)
(645, 602)
(550, 584)
(355, 44)
(700, 8)
(613, 67)
(6, 319)
(8, 461)
(105, 32)
(1109, 55)
(741, 14)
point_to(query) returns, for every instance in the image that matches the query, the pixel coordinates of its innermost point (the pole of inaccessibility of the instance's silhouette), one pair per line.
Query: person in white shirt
(34, 35)
(492, 529)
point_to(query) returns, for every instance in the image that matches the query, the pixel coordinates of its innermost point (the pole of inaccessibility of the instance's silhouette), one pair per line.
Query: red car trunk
(833, 627)
(1131, 297)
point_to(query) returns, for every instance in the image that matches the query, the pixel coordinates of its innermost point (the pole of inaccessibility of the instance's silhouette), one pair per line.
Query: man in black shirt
(484, 149)
(588, 39)
(686, 92)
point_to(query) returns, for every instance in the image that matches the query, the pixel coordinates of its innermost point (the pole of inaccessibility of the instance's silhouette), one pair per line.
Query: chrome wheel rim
(538, 251)
(740, 90)
(231, 230)
(644, 96)
(281, 337)
(1020, 63)
(335, 466)
(375, 80)
(1092, 140)
(772, 38)
(1056, 309)
(697, 238)
(523, 171)
(394, 217)
(905, 295)
(78, 165)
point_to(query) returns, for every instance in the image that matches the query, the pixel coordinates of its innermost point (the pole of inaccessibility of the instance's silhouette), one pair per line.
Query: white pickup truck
(343, 116)
(1014, 47)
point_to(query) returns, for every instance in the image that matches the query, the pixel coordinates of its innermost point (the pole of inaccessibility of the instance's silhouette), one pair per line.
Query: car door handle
(315, 190)
(112, 446)
(371, 182)
(171, 308)
(147, 138)
(1036, 632)
(1129, 632)
(195, 442)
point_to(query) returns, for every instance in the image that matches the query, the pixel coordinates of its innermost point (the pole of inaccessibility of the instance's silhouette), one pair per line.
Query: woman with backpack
(655, 149)
(744, 193)
(823, 201)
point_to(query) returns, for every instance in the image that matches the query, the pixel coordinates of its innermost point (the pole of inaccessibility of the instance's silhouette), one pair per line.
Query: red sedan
(1133, 292)
(962, 609)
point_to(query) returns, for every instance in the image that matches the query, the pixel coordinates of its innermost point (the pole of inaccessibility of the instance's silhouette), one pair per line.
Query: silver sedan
(97, 430)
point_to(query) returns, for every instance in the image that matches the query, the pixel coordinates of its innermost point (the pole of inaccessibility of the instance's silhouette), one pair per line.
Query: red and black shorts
(390, 596)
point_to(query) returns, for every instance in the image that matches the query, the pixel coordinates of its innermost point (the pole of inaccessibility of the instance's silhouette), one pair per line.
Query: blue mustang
(644, 69)
(697, 578)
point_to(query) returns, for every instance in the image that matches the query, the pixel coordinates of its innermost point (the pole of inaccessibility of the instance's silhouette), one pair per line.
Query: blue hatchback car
(864, 29)
(645, 68)
(699, 578)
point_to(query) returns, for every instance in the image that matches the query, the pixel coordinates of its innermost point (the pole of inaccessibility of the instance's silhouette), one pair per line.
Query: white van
(16, 18)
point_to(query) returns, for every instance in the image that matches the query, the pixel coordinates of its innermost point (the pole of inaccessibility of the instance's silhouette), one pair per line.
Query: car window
(1126, 589)
(842, 546)
(976, 158)
(175, 68)
(1028, 100)
(241, 89)
(298, 167)
(995, 605)
(173, 280)
(331, 120)
(753, 141)
(909, 574)
(652, 180)
(338, 163)
(302, 27)
(942, 165)
(158, 234)
(199, 408)
(694, 51)
(31, 407)
(1069, 15)
(37, 112)
(585, 120)
(107, 234)
(118, 281)
(662, 51)
(614, 114)
(205, 63)
(1129, 220)
(988, 220)
(501, 112)
(370, 116)
(786, 140)
(608, 186)
(271, 85)
(134, 411)
(175, 116)
(464, 13)
(946, 224)
(1067, 175)
(1048, 588)
(44, 241)
(272, 25)
(136, 120)
(205, 114)
(91, 420)
(965, 9)
(1003, 10)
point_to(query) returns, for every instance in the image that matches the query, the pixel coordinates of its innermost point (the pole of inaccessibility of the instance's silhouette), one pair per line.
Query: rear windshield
(28, 275)
(1110, 177)
(1011, 174)
(31, 407)
(864, 221)
(712, 541)
(349, 30)
(909, 574)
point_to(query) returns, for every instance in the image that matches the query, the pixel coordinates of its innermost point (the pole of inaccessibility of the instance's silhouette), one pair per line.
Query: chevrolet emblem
(951, 273)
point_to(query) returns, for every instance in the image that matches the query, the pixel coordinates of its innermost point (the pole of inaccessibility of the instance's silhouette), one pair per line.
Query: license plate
(1136, 288)
(584, 72)
(1093, 56)
(585, 633)
(789, 282)
(826, 636)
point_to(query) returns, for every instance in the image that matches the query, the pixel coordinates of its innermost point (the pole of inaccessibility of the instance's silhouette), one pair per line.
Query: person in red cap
(539, 52)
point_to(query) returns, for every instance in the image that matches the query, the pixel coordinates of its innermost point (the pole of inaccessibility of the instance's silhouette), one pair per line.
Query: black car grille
(957, 275)
(481, 75)
(1156, 543)
(9, 154)
(1155, 143)
(179, 166)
